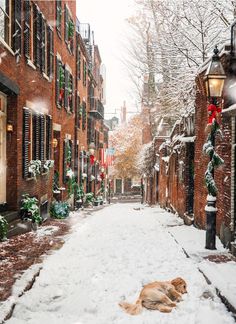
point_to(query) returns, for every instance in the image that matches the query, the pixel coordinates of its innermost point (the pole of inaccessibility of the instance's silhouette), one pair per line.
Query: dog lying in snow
(158, 295)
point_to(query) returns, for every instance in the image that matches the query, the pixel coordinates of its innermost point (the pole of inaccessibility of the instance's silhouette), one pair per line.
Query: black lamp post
(214, 78)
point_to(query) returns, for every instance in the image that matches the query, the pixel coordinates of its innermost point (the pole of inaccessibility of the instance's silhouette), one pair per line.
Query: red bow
(212, 112)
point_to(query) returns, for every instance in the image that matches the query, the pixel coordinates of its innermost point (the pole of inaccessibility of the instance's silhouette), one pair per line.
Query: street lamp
(214, 79)
(215, 76)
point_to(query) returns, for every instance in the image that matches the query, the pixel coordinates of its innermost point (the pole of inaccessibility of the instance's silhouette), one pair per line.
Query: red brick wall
(32, 85)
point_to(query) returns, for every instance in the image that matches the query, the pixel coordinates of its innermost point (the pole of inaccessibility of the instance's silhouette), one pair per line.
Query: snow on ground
(108, 258)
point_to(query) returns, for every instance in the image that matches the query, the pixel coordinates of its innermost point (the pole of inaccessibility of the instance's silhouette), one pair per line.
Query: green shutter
(66, 89)
(58, 15)
(66, 24)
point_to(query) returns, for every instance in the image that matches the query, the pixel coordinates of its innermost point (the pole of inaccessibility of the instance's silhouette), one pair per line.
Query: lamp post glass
(215, 76)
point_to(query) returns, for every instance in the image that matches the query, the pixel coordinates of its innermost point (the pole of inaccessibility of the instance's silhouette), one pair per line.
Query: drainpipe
(233, 150)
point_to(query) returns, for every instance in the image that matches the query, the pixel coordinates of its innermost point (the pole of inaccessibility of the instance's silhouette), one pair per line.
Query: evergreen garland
(215, 159)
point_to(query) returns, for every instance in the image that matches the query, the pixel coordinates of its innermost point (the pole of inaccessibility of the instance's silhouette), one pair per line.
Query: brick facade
(40, 71)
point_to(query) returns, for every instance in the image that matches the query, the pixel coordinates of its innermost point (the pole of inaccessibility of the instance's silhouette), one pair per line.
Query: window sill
(46, 77)
(31, 64)
(6, 46)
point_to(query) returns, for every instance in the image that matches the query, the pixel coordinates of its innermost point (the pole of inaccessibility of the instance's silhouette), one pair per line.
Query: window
(37, 133)
(10, 24)
(38, 39)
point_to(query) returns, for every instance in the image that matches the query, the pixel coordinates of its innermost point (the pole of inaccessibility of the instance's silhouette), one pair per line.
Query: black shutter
(42, 138)
(27, 29)
(37, 27)
(64, 161)
(36, 135)
(43, 44)
(78, 62)
(72, 155)
(50, 52)
(72, 94)
(57, 82)
(66, 23)
(17, 28)
(25, 141)
(66, 88)
(48, 137)
(84, 117)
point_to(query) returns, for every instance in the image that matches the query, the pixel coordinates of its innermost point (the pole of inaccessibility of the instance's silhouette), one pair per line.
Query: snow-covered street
(109, 256)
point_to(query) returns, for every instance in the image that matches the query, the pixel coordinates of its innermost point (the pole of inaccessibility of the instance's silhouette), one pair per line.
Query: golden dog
(158, 295)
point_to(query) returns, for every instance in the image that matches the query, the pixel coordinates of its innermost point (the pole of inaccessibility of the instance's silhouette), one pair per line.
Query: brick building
(224, 176)
(47, 68)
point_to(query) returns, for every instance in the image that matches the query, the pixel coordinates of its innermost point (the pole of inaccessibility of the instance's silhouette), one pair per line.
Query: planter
(101, 202)
(96, 203)
(34, 226)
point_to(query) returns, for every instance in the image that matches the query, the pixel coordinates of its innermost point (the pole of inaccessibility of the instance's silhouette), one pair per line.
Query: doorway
(3, 161)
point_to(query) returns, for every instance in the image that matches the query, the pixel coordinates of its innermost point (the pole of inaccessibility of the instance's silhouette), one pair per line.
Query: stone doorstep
(188, 220)
(18, 227)
(233, 249)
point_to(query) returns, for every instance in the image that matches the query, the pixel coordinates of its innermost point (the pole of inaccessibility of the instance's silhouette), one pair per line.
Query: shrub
(89, 198)
(3, 228)
(59, 209)
(30, 209)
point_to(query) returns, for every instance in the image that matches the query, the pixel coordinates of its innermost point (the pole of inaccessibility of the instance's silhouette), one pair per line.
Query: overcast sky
(107, 19)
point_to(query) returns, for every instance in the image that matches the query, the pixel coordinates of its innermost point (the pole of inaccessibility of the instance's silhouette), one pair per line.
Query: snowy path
(110, 255)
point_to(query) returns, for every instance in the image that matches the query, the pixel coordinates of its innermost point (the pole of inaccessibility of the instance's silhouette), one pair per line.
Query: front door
(3, 111)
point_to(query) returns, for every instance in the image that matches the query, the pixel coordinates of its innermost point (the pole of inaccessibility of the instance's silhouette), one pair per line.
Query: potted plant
(59, 209)
(89, 198)
(47, 165)
(30, 210)
(35, 168)
(3, 228)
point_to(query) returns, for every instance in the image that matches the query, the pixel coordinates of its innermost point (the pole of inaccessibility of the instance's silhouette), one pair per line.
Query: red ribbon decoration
(92, 158)
(212, 112)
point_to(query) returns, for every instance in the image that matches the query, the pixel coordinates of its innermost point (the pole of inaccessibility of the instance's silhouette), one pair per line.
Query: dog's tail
(132, 309)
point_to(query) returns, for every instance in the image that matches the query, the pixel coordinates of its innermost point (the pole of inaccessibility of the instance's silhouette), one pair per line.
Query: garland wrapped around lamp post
(214, 79)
